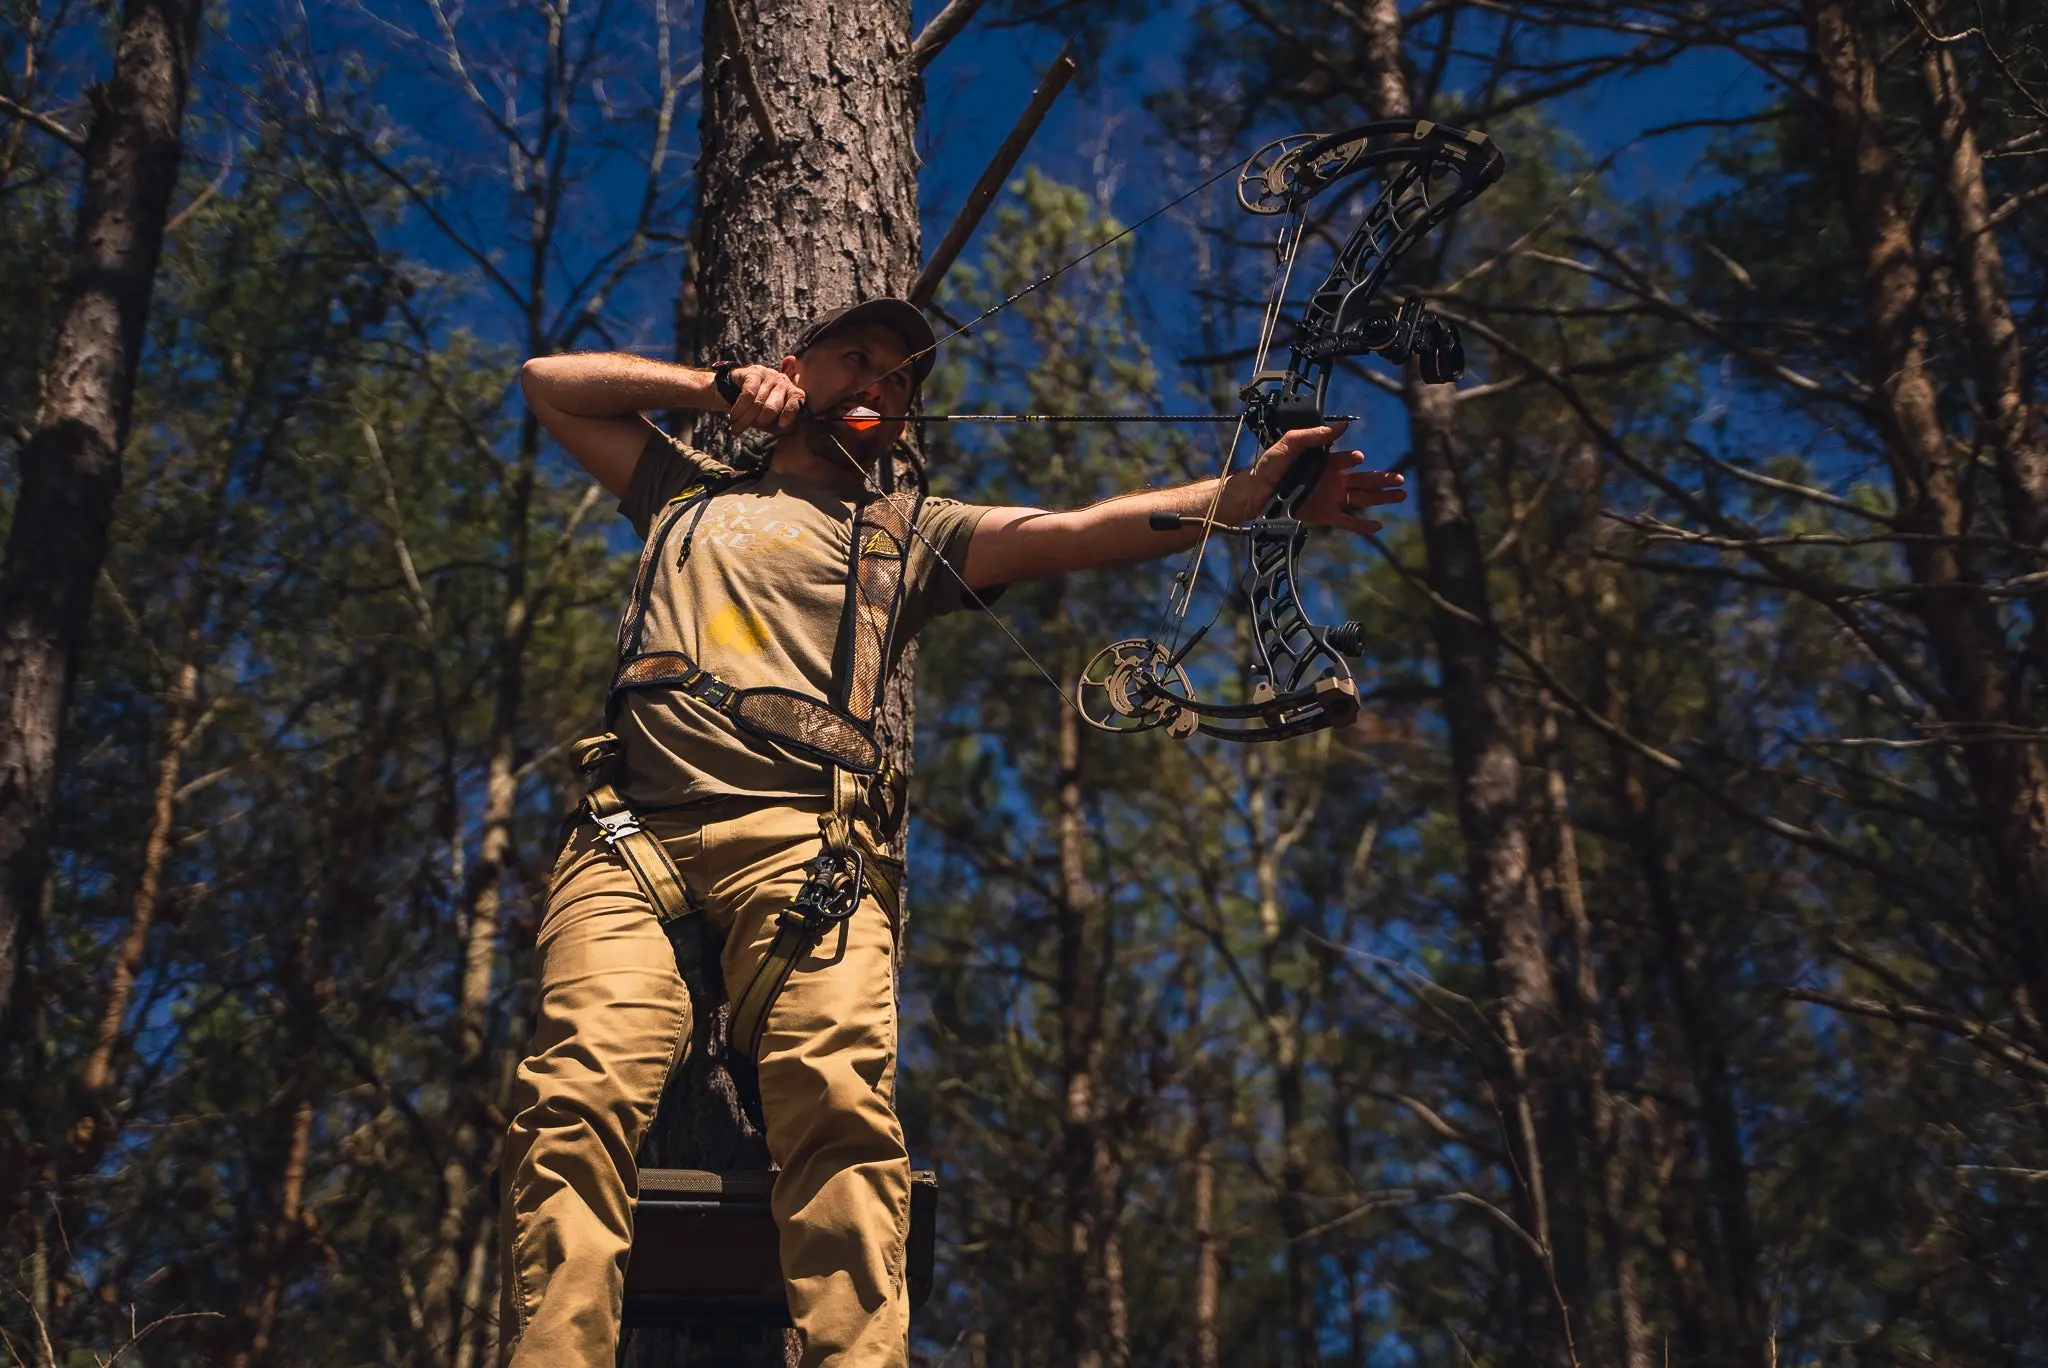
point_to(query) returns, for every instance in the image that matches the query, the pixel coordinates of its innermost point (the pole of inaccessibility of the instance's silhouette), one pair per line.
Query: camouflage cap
(899, 316)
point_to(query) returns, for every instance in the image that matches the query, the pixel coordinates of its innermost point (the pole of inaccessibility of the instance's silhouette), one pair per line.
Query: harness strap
(836, 733)
(597, 758)
(832, 732)
(834, 880)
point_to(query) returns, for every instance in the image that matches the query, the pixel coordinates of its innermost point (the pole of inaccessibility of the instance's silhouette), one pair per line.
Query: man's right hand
(769, 401)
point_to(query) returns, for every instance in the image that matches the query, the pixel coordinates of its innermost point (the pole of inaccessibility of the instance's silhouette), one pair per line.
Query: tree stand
(705, 1257)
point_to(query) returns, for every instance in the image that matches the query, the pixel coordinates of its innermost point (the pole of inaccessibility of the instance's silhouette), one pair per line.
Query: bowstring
(1273, 305)
(868, 478)
(1043, 280)
(1176, 613)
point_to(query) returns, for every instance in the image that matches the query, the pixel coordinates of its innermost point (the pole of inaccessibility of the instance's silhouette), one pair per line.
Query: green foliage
(1150, 988)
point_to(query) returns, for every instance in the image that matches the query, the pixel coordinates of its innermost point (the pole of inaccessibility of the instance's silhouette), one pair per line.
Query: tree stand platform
(705, 1252)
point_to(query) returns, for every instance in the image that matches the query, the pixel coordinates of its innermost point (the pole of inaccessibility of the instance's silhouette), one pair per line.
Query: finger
(1307, 439)
(1298, 440)
(773, 401)
(745, 413)
(1375, 498)
(1372, 481)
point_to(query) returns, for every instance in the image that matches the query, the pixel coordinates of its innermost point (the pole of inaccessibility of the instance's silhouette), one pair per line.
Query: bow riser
(1302, 681)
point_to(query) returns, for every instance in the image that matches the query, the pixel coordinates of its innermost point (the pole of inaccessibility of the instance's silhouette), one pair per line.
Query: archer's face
(861, 366)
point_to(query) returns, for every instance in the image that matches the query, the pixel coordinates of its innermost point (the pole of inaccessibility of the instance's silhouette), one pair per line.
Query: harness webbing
(836, 733)
(597, 759)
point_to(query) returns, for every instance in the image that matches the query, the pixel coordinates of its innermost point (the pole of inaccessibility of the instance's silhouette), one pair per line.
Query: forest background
(1654, 976)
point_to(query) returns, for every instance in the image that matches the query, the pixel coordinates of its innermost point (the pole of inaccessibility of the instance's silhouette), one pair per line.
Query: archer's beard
(835, 441)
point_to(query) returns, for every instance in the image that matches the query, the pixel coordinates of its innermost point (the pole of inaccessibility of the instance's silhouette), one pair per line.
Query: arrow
(860, 420)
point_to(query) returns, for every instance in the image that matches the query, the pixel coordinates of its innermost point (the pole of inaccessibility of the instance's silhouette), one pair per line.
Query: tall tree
(807, 201)
(71, 464)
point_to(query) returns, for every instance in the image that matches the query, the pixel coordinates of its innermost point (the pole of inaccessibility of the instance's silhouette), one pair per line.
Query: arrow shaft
(1077, 418)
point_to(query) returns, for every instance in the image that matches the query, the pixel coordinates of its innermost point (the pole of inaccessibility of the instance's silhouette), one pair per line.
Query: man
(742, 788)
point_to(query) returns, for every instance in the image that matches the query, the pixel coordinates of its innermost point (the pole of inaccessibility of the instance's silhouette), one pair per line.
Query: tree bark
(1208, 1263)
(280, 1238)
(93, 1131)
(156, 846)
(70, 470)
(2019, 444)
(2008, 781)
(1535, 1105)
(1564, 897)
(784, 233)
(1537, 1111)
(445, 1306)
(1093, 1270)
(1286, 1055)
(1733, 1251)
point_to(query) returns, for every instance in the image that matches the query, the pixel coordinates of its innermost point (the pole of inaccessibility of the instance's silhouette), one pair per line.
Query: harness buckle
(708, 688)
(614, 827)
(831, 890)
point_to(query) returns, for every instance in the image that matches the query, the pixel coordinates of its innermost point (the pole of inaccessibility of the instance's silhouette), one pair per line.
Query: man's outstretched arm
(1012, 544)
(591, 403)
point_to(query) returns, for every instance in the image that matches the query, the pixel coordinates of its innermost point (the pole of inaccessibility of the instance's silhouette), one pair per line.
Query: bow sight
(1301, 681)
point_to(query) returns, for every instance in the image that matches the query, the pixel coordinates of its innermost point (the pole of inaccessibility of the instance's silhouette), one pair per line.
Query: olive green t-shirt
(757, 601)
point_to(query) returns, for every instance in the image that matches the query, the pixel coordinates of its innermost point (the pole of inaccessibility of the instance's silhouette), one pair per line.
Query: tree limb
(944, 27)
(1983, 1035)
(69, 137)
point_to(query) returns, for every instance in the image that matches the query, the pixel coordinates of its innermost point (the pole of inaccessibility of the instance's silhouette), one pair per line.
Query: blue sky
(974, 93)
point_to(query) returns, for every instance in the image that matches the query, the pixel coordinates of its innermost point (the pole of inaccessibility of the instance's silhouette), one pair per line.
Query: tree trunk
(156, 847)
(2017, 440)
(1286, 1055)
(1535, 1102)
(784, 233)
(1564, 897)
(1735, 1251)
(93, 1130)
(470, 1139)
(1208, 1264)
(2008, 781)
(1093, 1278)
(71, 468)
(1537, 1115)
(280, 1238)
(1605, 1170)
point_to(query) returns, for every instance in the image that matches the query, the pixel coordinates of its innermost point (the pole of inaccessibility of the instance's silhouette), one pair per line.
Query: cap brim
(899, 316)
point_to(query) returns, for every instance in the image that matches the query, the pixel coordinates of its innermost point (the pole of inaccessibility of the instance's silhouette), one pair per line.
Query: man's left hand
(1343, 492)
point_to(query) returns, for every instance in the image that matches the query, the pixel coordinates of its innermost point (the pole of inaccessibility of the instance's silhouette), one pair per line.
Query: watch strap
(721, 380)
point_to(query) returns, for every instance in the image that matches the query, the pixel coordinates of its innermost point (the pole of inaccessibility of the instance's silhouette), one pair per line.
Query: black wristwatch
(721, 380)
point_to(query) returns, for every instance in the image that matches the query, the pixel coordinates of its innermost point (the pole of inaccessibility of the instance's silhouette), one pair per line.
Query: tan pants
(614, 1020)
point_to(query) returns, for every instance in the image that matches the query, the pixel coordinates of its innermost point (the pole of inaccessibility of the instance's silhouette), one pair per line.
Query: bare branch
(743, 67)
(199, 201)
(944, 27)
(73, 140)
(1981, 1034)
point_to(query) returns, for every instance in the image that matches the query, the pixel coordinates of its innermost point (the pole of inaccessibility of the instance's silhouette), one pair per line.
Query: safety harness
(836, 733)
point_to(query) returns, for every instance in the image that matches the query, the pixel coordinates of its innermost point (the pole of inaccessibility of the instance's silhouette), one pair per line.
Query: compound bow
(1302, 681)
